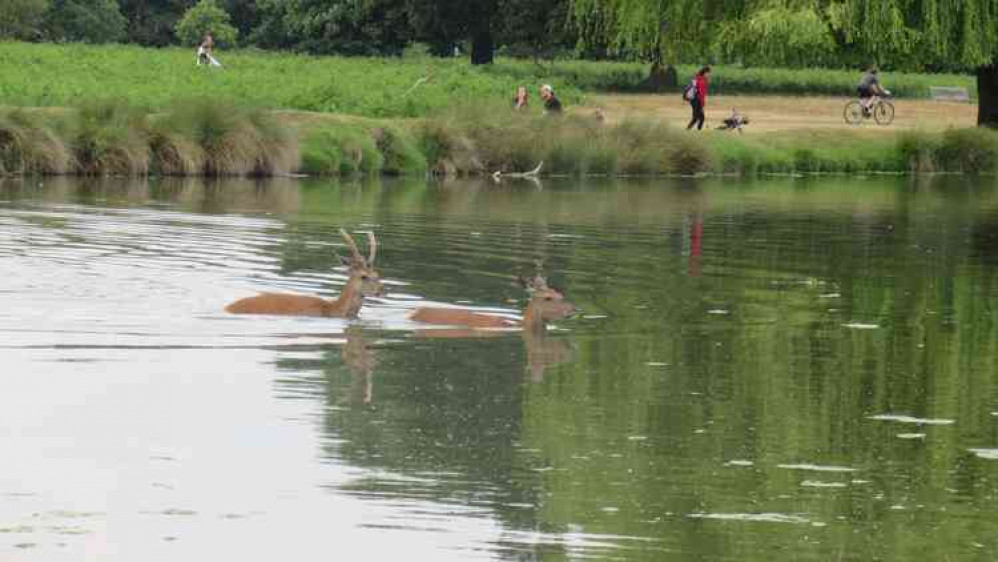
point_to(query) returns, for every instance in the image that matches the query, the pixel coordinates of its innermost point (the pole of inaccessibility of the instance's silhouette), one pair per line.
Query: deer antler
(372, 243)
(357, 257)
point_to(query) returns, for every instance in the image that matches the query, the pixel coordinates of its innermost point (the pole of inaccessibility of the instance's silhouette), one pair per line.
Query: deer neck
(348, 304)
(533, 321)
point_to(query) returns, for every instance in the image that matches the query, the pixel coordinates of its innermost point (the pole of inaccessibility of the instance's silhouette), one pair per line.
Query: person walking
(698, 98)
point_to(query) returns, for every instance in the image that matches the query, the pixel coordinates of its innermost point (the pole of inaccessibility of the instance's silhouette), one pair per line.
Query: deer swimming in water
(546, 305)
(362, 282)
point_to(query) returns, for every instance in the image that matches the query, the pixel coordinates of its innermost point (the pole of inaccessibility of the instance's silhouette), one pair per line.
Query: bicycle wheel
(883, 113)
(853, 113)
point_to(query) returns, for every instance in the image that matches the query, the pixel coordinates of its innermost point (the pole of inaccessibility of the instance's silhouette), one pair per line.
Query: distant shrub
(206, 17)
(973, 151)
(87, 21)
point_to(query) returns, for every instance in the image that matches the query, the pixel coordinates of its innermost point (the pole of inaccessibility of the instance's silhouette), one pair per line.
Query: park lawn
(51, 75)
(769, 114)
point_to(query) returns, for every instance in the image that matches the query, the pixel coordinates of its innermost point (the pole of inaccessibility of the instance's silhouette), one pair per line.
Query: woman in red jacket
(699, 101)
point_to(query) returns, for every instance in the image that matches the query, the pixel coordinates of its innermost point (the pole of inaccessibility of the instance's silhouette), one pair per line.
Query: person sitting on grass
(520, 100)
(552, 106)
(869, 88)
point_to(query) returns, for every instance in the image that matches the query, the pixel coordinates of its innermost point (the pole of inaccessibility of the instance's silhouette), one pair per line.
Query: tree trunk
(660, 79)
(987, 96)
(483, 46)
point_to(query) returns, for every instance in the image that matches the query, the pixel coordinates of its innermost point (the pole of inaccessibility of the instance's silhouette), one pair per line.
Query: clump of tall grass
(400, 152)
(340, 149)
(574, 145)
(973, 151)
(447, 150)
(28, 146)
(109, 137)
(215, 138)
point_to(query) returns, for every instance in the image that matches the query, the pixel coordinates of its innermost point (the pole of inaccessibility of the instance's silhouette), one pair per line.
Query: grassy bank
(48, 75)
(211, 138)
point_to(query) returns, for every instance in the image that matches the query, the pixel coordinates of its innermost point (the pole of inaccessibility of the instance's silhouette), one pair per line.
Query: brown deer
(546, 305)
(363, 282)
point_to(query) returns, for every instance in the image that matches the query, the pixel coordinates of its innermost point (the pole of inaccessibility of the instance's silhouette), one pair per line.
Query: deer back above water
(546, 305)
(363, 281)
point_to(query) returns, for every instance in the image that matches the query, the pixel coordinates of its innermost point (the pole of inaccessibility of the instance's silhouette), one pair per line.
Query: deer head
(363, 276)
(546, 304)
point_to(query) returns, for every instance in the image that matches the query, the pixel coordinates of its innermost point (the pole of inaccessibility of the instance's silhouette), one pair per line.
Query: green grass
(49, 75)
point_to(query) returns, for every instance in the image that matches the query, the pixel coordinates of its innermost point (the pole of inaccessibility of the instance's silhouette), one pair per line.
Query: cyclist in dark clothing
(699, 99)
(869, 87)
(552, 106)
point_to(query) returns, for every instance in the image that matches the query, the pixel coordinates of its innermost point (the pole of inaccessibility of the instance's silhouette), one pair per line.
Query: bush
(87, 21)
(22, 19)
(222, 139)
(340, 150)
(399, 151)
(109, 137)
(27, 146)
(973, 151)
(203, 18)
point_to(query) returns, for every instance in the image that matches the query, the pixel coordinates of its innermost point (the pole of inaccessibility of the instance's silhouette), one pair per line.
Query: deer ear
(524, 283)
(345, 262)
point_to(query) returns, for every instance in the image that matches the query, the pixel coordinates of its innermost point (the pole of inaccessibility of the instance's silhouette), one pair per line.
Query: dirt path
(772, 113)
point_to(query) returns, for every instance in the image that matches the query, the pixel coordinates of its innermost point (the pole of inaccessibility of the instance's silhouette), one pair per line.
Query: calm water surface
(784, 370)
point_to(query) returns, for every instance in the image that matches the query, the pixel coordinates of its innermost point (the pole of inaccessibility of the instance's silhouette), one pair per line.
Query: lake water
(793, 369)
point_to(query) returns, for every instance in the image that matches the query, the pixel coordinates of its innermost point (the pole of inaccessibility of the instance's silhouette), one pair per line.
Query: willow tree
(923, 35)
(954, 34)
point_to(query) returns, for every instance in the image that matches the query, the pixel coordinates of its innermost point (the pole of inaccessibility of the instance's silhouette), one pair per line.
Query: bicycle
(880, 108)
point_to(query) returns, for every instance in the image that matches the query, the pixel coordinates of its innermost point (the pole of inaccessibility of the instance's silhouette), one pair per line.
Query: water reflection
(797, 369)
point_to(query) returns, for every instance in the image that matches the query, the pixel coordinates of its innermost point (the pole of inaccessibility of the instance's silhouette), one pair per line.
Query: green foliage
(222, 139)
(204, 18)
(340, 149)
(109, 137)
(87, 21)
(971, 151)
(908, 34)
(22, 19)
(29, 146)
(400, 152)
(778, 36)
(373, 27)
(59, 75)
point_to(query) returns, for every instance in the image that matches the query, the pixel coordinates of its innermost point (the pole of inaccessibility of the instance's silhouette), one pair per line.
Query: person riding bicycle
(869, 88)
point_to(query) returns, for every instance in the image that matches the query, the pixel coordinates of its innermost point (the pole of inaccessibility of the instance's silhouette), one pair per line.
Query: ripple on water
(987, 454)
(816, 467)
(912, 420)
(757, 517)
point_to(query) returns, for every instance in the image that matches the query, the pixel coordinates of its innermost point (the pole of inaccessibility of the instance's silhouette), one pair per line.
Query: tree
(206, 17)
(445, 23)
(959, 34)
(368, 27)
(910, 34)
(151, 22)
(88, 21)
(536, 28)
(22, 19)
